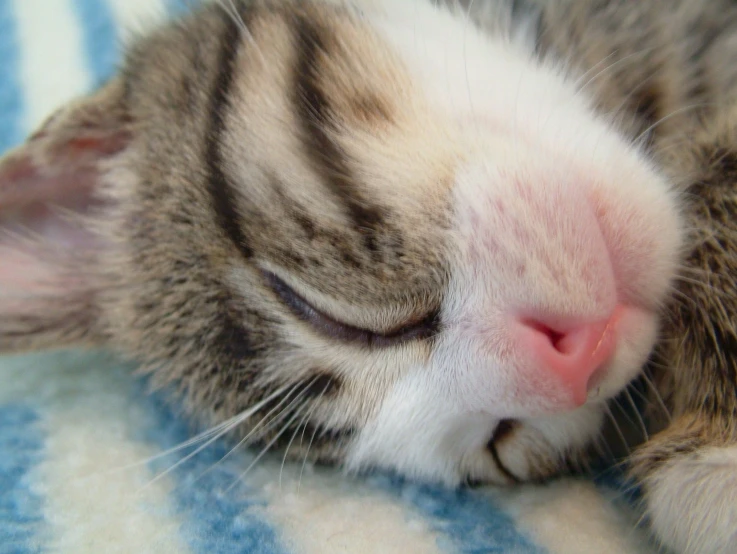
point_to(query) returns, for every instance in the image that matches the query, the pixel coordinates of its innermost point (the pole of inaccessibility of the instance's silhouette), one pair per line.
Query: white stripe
(52, 57)
(574, 517)
(136, 16)
(90, 421)
(326, 513)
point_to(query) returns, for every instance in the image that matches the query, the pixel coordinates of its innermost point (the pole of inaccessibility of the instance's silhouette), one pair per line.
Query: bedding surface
(90, 462)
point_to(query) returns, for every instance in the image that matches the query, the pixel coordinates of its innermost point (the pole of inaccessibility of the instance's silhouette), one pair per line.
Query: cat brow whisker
(232, 11)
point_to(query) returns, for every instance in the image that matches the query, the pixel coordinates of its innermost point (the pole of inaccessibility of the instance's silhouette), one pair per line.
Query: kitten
(381, 235)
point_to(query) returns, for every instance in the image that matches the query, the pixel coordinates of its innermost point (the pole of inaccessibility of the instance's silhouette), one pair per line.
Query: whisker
(302, 423)
(232, 11)
(271, 422)
(626, 415)
(238, 420)
(585, 74)
(267, 447)
(613, 65)
(617, 428)
(307, 453)
(658, 397)
(643, 427)
(217, 431)
(642, 136)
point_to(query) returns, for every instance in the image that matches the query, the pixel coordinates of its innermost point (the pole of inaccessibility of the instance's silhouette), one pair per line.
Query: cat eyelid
(330, 327)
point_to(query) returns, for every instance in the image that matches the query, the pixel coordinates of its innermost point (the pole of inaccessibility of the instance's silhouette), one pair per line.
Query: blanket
(90, 462)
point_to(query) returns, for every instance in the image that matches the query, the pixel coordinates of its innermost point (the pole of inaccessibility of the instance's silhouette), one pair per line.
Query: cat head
(378, 234)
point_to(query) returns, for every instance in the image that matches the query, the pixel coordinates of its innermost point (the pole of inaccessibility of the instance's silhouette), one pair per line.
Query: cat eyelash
(334, 329)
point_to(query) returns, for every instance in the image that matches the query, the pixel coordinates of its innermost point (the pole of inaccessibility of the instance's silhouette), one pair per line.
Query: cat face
(385, 237)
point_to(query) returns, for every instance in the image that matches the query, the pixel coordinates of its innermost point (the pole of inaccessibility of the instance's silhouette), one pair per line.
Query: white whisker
(258, 427)
(230, 8)
(658, 397)
(307, 453)
(266, 448)
(617, 428)
(302, 423)
(641, 421)
(231, 424)
(642, 136)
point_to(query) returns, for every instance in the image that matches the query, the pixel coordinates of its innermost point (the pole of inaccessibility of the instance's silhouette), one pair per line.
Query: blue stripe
(11, 94)
(100, 38)
(21, 443)
(221, 512)
(468, 520)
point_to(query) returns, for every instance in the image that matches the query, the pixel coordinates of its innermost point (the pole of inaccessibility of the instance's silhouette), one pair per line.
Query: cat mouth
(502, 432)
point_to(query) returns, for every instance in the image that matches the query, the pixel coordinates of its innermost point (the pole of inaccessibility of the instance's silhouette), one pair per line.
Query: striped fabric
(83, 463)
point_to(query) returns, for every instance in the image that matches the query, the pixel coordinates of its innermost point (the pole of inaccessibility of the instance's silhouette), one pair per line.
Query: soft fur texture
(428, 182)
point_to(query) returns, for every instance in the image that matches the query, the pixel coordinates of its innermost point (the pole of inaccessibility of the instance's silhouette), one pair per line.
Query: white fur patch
(554, 212)
(692, 502)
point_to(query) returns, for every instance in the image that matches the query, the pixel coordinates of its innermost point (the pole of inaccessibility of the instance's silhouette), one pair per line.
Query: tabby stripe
(222, 195)
(327, 158)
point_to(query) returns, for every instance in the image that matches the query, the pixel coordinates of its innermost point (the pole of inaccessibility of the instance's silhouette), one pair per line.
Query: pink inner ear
(50, 215)
(45, 186)
(45, 183)
(25, 272)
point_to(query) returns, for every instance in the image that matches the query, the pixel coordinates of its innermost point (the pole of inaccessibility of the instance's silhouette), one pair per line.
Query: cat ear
(48, 187)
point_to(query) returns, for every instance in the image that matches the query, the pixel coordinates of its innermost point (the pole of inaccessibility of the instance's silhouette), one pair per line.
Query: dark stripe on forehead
(222, 195)
(314, 112)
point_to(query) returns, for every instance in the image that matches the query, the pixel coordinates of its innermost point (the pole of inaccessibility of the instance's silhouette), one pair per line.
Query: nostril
(572, 353)
(555, 337)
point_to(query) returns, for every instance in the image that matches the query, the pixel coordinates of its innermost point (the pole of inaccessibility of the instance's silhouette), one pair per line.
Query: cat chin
(422, 433)
(691, 502)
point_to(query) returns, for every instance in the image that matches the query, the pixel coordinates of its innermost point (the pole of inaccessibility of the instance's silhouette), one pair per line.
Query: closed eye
(330, 327)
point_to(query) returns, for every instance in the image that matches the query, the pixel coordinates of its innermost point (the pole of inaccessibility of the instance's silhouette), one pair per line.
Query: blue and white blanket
(81, 443)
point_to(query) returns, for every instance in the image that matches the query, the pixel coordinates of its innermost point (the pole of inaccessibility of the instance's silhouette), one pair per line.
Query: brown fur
(183, 289)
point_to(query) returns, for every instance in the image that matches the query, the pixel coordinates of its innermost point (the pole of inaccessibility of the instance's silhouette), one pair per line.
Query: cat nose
(571, 352)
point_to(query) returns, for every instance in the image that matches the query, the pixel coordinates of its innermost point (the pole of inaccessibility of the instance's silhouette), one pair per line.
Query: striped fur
(256, 161)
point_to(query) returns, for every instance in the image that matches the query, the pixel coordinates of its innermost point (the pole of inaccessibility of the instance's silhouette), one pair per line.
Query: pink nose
(572, 353)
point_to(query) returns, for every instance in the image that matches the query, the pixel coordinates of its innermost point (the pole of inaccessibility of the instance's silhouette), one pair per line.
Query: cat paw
(690, 490)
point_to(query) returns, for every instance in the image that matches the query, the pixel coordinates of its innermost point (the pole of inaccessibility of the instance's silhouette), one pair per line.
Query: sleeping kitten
(383, 235)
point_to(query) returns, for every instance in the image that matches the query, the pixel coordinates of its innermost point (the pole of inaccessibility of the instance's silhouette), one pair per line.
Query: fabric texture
(91, 462)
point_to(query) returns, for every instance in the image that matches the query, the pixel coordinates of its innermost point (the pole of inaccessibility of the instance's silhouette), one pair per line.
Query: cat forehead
(329, 142)
(330, 73)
